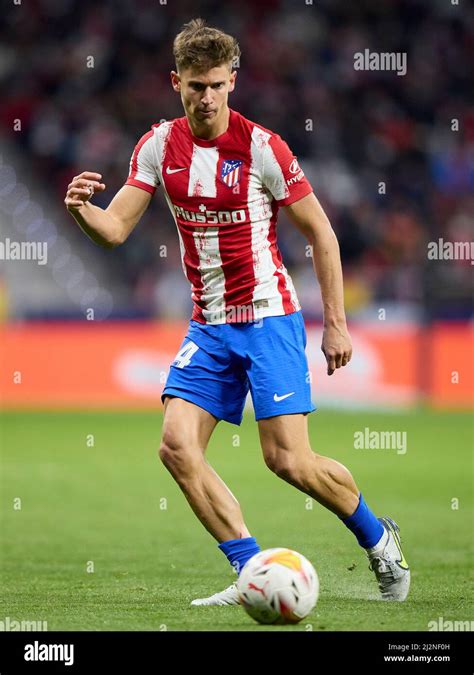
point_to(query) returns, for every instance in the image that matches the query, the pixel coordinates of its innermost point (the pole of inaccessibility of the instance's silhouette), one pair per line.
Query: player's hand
(336, 347)
(81, 189)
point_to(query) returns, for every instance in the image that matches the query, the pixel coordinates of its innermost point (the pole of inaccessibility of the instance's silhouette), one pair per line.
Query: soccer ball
(278, 586)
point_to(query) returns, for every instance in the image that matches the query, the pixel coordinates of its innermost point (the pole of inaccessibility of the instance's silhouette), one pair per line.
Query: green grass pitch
(104, 539)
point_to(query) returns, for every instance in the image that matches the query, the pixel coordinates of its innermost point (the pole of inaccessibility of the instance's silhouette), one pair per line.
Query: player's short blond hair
(202, 47)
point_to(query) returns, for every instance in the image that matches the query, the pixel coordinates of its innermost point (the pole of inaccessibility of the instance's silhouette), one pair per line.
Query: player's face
(204, 95)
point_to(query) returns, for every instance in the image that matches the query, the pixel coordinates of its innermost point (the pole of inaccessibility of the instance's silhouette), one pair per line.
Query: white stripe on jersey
(202, 172)
(206, 240)
(260, 212)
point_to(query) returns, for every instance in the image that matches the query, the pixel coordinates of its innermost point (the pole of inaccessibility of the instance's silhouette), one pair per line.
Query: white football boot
(229, 596)
(389, 564)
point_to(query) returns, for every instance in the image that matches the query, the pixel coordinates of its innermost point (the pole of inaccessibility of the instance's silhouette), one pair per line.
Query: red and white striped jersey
(224, 195)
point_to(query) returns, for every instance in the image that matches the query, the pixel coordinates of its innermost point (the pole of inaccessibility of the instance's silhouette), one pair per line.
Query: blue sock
(238, 551)
(364, 525)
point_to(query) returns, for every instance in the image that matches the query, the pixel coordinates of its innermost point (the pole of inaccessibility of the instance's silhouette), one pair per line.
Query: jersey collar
(218, 139)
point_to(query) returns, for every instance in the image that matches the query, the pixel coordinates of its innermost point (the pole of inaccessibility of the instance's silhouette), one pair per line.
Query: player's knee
(282, 463)
(179, 459)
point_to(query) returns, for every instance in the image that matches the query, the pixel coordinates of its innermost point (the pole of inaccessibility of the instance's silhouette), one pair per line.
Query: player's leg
(206, 386)
(287, 452)
(187, 429)
(182, 451)
(280, 388)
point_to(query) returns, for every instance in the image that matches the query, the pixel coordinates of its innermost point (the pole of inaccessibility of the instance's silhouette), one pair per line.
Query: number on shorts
(184, 356)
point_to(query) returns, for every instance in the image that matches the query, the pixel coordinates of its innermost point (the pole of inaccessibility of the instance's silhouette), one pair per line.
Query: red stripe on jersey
(277, 260)
(138, 147)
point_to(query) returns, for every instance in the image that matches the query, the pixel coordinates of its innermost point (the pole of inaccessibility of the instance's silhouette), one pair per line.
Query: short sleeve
(143, 172)
(282, 174)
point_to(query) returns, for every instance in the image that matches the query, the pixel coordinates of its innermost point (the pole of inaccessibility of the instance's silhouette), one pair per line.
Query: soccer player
(224, 179)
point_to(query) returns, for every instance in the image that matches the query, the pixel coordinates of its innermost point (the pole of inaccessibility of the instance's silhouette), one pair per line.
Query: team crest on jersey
(231, 172)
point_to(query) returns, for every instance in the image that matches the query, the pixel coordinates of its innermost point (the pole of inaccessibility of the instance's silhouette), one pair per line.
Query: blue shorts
(217, 365)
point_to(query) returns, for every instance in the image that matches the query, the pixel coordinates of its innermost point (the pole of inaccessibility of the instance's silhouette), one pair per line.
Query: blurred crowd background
(390, 157)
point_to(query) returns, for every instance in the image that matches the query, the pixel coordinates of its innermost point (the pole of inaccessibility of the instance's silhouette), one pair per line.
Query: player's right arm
(111, 226)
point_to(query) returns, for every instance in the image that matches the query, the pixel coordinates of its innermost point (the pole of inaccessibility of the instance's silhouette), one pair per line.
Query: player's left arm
(308, 216)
